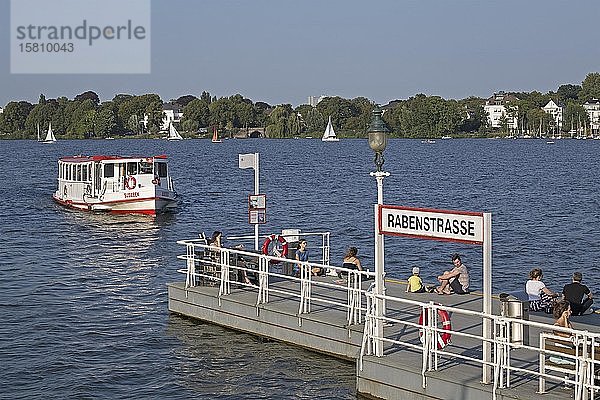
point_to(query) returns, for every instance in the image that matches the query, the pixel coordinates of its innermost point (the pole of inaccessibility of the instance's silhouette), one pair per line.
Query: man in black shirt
(574, 293)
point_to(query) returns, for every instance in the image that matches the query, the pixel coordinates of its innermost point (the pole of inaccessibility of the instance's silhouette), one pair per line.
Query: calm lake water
(83, 296)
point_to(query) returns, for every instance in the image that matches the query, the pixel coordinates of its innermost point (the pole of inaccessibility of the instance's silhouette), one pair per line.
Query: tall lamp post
(378, 141)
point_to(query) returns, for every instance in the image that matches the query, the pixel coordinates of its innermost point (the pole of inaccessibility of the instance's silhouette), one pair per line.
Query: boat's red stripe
(136, 199)
(71, 204)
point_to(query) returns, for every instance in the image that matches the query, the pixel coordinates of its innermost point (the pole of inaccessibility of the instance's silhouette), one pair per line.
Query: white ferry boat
(121, 185)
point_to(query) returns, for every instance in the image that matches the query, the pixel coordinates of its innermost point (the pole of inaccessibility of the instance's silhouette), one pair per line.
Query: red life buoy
(444, 337)
(130, 183)
(280, 247)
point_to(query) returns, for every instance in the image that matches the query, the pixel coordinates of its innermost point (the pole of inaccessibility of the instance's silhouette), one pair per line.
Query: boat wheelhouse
(121, 185)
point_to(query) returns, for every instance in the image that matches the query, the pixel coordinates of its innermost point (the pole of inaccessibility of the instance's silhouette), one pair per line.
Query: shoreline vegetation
(420, 116)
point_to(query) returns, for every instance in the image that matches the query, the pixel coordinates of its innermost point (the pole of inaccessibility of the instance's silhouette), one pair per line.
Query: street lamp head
(378, 137)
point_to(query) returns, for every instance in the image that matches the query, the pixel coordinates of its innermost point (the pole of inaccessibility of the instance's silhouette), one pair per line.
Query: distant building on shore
(314, 100)
(172, 112)
(500, 110)
(556, 111)
(592, 107)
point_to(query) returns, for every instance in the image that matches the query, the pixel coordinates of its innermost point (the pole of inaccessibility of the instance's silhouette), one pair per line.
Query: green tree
(196, 114)
(133, 124)
(315, 122)
(568, 92)
(89, 95)
(189, 125)
(205, 96)
(81, 118)
(575, 118)
(106, 122)
(14, 118)
(538, 122)
(279, 125)
(185, 100)
(590, 87)
(221, 112)
(155, 115)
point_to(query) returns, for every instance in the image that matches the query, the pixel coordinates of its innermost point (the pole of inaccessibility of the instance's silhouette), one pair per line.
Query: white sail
(38, 132)
(173, 134)
(50, 138)
(329, 135)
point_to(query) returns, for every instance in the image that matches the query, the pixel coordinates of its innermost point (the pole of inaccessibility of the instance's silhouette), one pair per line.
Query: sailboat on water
(50, 138)
(329, 135)
(215, 138)
(173, 134)
(38, 133)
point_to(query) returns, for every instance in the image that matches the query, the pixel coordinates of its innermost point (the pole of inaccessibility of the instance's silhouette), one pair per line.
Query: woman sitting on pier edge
(540, 297)
(350, 261)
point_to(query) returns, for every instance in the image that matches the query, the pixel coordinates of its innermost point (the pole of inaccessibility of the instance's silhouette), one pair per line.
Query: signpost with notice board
(449, 226)
(257, 209)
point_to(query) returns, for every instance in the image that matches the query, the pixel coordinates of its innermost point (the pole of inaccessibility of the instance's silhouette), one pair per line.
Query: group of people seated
(454, 281)
(350, 260)
(541, 298)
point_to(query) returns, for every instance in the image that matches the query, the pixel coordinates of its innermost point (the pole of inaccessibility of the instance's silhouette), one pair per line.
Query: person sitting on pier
(415, 284)
(455, 280)
(562, 312)
(216, 240)
(575, 292)
(350, 261)
(540, 297)
(302, 256)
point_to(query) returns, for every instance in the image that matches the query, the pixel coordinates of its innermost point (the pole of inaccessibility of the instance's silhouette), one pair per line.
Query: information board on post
(257, 209)
(443, 225)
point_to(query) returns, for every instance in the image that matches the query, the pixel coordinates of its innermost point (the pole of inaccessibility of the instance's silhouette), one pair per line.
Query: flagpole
(256, 191)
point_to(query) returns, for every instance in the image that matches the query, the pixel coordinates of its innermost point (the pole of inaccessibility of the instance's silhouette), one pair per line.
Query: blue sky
(282, 51)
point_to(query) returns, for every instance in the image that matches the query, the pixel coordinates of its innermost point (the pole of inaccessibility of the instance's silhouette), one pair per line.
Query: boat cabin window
(84, 173)
(78, 173)
(160, 169)
(145, 167)
(132, 168)
(109, 170)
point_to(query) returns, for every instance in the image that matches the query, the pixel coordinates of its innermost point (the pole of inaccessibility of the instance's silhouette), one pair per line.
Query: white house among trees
(556, 111)
(592, 107)
(172, 112)
(501, 111)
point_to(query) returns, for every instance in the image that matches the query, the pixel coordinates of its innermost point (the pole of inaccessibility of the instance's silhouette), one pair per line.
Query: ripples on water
(83, 296)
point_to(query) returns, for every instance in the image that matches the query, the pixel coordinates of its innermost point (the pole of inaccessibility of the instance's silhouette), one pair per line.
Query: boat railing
(224, 267)
(514, 358)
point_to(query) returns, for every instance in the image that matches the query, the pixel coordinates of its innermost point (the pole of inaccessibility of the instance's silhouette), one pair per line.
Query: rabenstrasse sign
(454, 226)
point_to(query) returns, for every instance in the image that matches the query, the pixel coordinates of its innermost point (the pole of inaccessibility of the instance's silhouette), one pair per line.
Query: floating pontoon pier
(336, 317)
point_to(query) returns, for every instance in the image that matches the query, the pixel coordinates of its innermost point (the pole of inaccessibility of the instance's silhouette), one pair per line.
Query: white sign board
(452, 226)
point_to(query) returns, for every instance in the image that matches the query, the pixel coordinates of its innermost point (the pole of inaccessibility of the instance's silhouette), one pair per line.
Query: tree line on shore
(419, 116)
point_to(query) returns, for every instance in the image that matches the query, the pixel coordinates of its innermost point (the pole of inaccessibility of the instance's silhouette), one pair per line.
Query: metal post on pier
(251, 161)
(256, 192)
(377, 143)
(487, 297)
